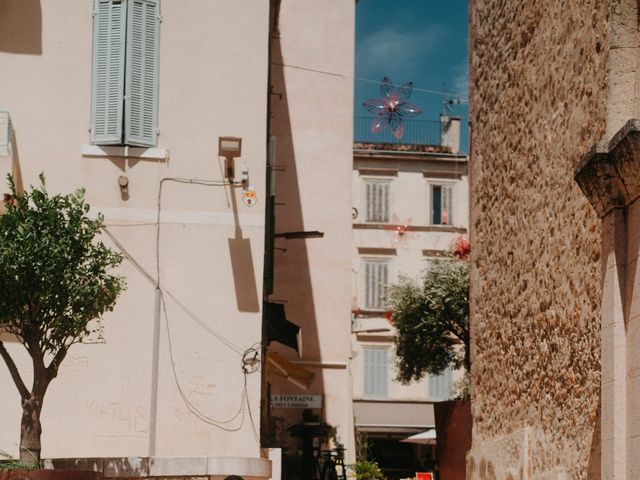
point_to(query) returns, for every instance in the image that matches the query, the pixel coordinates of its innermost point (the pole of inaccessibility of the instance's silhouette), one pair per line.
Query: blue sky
(424, 41)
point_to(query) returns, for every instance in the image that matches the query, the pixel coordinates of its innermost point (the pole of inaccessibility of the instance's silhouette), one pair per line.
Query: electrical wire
(238, 350)
(130, 257)
(190, 406)
(461, 98)
(250, 364)
(192, 181)
(417, 89)
(256, 434)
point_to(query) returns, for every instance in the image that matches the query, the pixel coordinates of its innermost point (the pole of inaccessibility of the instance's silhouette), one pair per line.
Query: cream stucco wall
(213, 82)
(312, 105)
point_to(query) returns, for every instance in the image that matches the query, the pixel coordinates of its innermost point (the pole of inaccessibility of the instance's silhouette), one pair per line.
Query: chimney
(450, 132)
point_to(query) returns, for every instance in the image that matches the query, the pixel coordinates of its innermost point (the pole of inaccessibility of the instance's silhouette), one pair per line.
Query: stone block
(129, 467)
(93, 464)
(552, 476)
(609, 175)
(241, 466)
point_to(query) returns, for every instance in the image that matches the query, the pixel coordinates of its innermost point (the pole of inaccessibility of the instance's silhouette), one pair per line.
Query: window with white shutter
(440, 386)
(377, 200)
(376, 279)
(126, 36)
(376, 372)
(441, 204)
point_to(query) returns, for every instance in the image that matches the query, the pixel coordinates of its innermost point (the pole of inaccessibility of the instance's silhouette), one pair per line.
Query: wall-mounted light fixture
(5, 134)
(229, 148)
(123, 183)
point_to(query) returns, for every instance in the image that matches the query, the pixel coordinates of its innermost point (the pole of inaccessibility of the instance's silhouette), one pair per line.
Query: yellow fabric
(297, 375)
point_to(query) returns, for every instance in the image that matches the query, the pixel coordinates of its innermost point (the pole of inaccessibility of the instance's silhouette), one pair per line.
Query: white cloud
(395, 51)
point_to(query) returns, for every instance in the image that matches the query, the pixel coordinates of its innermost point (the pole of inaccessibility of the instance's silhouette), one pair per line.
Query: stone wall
(537, 104)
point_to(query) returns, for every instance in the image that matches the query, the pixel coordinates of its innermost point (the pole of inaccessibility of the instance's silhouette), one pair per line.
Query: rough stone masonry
(537, 100)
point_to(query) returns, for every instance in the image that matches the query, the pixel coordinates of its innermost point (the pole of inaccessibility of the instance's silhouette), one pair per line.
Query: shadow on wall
(244, 277)
(21, 26)
(292, 275)
(593, 468)
(16, 171)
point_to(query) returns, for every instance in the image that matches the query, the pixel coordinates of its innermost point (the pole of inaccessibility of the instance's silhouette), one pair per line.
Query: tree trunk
(467, 355)
(30, 430)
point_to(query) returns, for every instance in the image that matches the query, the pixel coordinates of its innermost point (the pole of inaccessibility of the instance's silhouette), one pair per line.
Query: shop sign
(296, 401)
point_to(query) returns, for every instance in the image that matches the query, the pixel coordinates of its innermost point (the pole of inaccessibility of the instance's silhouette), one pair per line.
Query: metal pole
(153, 408)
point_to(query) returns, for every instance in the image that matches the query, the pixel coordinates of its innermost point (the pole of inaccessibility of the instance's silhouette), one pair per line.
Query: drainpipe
(153, 407)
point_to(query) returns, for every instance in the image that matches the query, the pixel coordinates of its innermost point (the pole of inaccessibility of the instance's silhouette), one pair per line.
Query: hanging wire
(192, 181)
(250, 357)
(462, 98)
(238, 350)
(190, 406)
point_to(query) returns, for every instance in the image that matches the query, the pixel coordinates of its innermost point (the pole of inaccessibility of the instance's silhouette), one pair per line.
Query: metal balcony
(416, 132)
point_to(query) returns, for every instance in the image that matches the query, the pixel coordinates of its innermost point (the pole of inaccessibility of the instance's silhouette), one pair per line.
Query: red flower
(462, 247)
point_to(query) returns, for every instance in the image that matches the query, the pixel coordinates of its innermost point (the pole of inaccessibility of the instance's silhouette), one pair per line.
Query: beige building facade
(553, 176)
(170, 373)
(311, 105)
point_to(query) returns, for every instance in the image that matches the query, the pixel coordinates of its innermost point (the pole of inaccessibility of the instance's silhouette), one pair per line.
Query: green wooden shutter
(376, 279)
(377, 200)
(376, 372)
(440, 385)
(141, 96)
(107, 89)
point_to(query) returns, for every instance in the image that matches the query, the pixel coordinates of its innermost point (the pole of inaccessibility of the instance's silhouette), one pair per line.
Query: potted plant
(54, 280)
(366, 470)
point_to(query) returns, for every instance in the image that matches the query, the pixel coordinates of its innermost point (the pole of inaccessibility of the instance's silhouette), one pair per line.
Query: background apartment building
(411, 202)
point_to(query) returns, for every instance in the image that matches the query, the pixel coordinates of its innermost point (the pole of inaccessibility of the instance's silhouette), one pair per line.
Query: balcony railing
(416, 132)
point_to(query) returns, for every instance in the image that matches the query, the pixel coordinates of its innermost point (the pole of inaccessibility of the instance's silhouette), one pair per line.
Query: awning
(279, 329)
(428, 437)
(380, 416)
(299, 376)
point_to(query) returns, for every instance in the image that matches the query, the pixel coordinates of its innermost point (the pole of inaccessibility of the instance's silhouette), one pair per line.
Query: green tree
(432, 321)
(53, 281)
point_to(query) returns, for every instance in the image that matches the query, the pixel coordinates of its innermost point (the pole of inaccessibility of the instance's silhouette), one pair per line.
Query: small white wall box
(229, 148)
(5, 134)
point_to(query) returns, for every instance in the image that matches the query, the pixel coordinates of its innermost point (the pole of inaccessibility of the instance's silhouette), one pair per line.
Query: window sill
(124, 151)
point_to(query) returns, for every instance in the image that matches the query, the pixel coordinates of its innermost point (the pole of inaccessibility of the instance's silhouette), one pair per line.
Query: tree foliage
(54, 279)
(432, 321)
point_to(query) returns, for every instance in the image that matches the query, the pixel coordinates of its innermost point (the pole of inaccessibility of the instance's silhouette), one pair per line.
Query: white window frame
(374, 387)
(366, 181)
(365, 282)
(450, 216)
